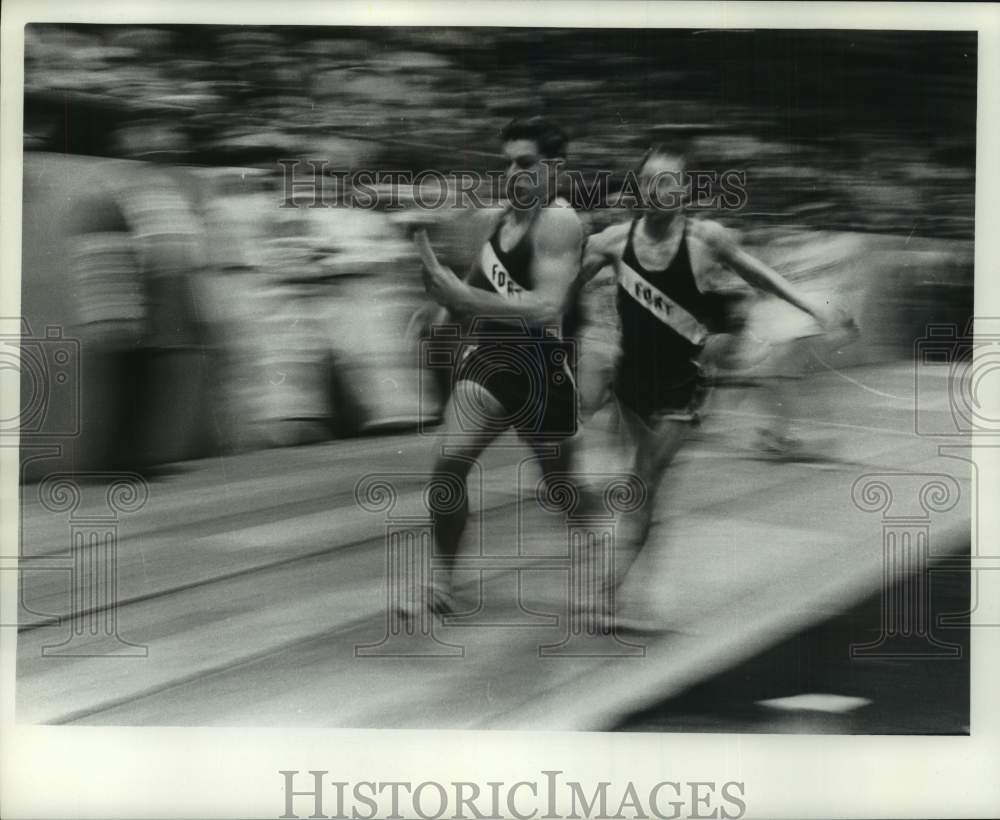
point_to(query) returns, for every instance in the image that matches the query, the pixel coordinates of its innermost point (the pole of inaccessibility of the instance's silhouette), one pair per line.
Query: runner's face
(662, 181)
(526, 172)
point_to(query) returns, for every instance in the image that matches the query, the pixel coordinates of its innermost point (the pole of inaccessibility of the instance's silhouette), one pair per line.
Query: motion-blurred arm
(763, 277)
(558, 237)
(596, 256)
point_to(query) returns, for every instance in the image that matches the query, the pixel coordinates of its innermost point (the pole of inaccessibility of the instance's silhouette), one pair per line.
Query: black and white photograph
(618, 380)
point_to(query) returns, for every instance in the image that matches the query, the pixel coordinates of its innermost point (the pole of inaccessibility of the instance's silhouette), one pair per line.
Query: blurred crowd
(298, 322)
(874, 130)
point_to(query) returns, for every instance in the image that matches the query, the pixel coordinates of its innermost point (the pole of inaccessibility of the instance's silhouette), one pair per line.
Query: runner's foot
(777, 445)
(435, 600)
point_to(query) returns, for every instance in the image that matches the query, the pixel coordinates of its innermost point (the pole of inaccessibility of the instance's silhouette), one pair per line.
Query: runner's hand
(440, 281)
(834, 319)
(839, 327)
(414, 220)
(425, 317)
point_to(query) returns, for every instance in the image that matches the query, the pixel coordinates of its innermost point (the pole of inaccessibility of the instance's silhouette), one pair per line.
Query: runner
(778, 345)
(515, 371)
(673, 294)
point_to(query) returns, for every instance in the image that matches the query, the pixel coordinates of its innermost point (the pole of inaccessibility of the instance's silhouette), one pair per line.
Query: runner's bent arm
(558, 238)
(477, 224)
(597, 255)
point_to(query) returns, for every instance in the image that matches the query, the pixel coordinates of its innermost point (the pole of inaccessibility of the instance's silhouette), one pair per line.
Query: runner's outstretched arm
(765, 278)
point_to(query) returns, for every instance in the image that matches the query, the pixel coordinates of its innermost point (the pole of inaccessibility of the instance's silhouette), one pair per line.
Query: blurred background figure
(137, 251)
(773, 348)
(365, 315)
(167, 229)
(599, 337)
(215, 316)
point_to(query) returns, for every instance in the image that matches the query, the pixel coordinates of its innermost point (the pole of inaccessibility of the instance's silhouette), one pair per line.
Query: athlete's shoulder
(611, 240)
(715, 255)
(481, 222)
(711, 233)
(485, 216)
(560, 203)
(464, 231)
(560, 214)
(559, 226)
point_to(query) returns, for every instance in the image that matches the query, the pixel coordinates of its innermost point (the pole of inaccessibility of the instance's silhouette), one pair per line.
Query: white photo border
(165, 772)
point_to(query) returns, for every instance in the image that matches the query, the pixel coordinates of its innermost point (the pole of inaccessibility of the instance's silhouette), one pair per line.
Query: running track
(252, 579)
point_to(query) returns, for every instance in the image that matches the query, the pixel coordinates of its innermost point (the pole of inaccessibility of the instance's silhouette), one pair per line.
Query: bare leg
(467, 432)
(595, 374)
(656, 445)
(777, 394)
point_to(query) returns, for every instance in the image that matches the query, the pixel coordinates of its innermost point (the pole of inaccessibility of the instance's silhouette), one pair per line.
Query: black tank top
(650, 347)
(517, 263)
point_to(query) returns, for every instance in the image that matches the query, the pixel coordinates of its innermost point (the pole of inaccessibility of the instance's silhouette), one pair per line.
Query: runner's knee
(453, 466)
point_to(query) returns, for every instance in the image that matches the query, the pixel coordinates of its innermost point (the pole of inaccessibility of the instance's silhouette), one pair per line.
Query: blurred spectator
(254, 95)
(216, 307)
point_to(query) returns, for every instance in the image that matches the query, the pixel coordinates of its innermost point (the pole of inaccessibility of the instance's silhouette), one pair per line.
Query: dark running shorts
(679, 399)
(533, 382)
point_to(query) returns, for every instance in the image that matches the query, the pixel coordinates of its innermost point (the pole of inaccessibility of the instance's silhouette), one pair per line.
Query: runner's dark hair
(663, 148)
(547, 135)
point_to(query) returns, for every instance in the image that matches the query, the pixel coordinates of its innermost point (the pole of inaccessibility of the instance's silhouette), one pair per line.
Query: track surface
(252, 579)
